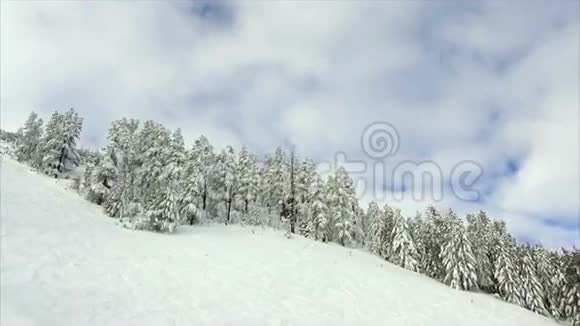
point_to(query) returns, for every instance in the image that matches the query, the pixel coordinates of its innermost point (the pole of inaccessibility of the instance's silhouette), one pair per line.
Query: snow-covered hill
(63, 262)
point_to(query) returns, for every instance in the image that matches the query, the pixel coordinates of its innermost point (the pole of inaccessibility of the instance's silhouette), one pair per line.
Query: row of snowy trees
(147, 177)
(50, 149)
(147, 172)
(478, 254)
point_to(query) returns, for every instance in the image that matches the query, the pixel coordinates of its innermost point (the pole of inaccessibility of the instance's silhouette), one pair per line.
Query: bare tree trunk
(204, 196)
(229, 205)
(282, 212)
(292, 194)
(229, 211)
(60, 161)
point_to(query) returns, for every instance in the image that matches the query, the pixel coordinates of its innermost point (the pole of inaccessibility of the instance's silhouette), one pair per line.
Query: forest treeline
(149, 179)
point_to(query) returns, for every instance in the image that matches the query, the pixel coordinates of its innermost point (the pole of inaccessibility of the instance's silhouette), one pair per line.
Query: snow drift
(64, 262)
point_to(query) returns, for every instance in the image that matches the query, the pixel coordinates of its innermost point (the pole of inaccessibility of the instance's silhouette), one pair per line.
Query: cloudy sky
(493, 83)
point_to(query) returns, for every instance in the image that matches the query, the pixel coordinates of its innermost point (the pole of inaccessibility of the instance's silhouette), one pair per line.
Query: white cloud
(548, 127)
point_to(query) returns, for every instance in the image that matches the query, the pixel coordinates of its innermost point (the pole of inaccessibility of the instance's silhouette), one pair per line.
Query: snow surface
(63, 262)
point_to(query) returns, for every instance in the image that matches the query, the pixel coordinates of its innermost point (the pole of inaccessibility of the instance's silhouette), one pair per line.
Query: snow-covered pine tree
(403, 252)
(386, 233)
(551, 279)
(189, 199)
(274, 181)
(332, 199)
(27, 147)
(571, 261)
(117, 202)
(58, 146)
(479, 232)
(102, 178)
(253, 191)
(497, 234)
(417, 230)
(154, 143)
(51, 144)
(72, 128)
(161, 175)
(193, 184)
(373, 231)
(304, 219)
(226, 182)
(86, 181)
(306, 175)
(175, 159)
(573, 303)
(290, 203)
(231, 180)
(246, 172)
(163, 211)
(318, 226)
(457, 256)
(341, 202)
(437, 227)
(174, 172)
(359, 222)
(556, 294)
(363, 226)
(532, 292)
(91, 159)
(201, 162)
(506, 271)
(121, 155)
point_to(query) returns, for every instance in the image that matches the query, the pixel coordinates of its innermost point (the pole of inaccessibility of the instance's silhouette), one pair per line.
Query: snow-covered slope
(64, 262)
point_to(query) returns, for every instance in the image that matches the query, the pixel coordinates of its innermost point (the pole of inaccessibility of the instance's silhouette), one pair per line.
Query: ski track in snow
(64, 262)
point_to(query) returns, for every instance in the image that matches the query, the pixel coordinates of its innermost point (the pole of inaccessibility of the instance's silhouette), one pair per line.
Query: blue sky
(495, 83)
